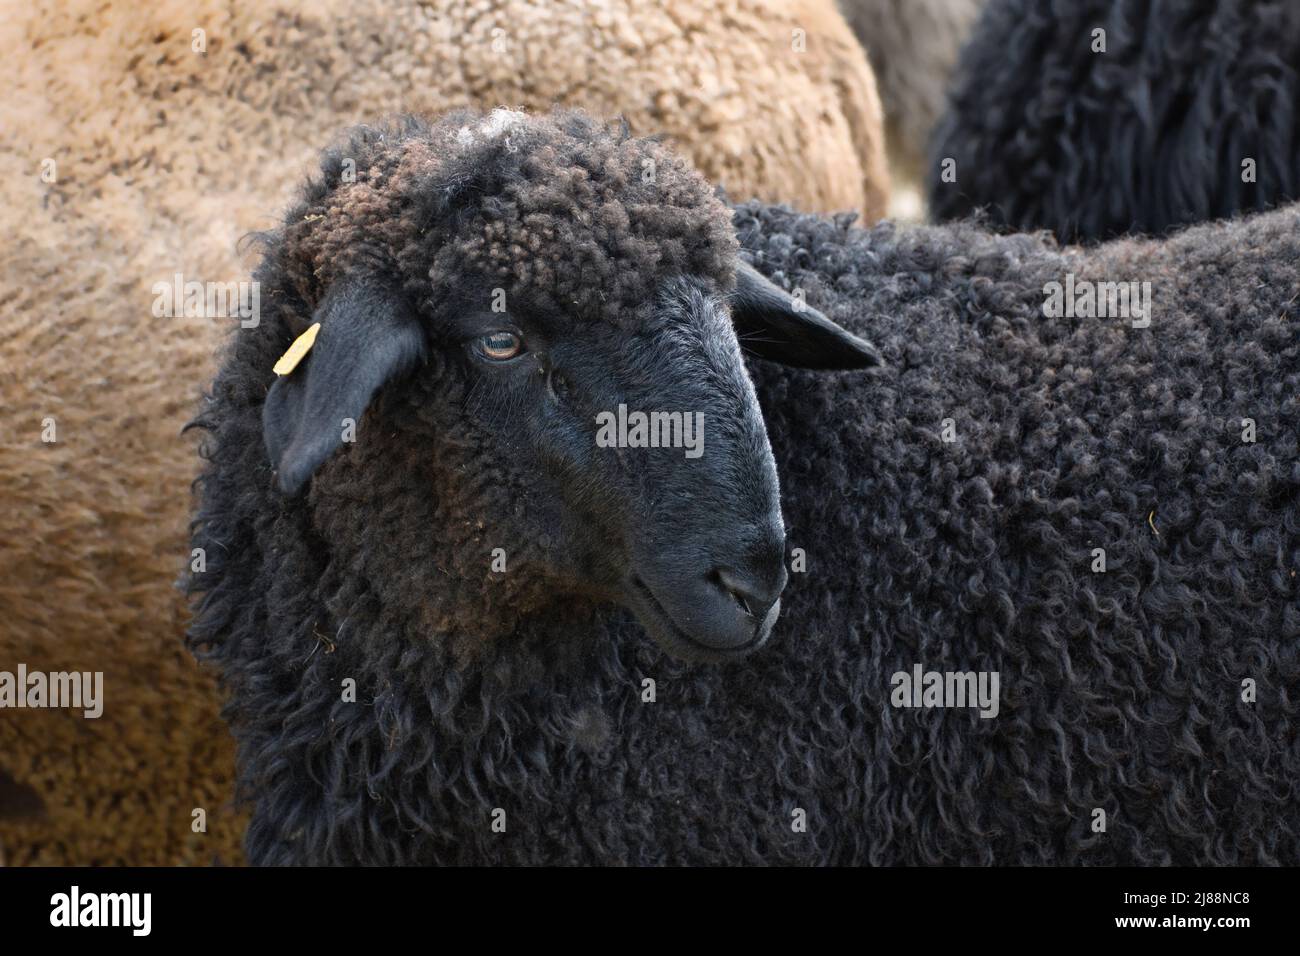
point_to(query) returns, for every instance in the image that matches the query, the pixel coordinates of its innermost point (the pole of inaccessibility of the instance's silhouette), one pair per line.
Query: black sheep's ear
(772, 325)
(365, 335)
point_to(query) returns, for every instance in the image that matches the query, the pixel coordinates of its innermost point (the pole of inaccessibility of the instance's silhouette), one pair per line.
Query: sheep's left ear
(772, 325)
(367, 336)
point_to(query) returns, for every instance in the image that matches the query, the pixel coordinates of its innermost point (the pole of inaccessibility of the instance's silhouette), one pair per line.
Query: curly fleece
(165, 156)
(1121, 691)
(1149, 135)
(557, 211)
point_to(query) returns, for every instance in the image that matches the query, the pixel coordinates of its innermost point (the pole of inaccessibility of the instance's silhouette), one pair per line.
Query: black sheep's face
(620, 464)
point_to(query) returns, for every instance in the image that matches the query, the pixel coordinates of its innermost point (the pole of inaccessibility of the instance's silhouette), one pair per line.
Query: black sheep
(1176, 112)
(943, 511)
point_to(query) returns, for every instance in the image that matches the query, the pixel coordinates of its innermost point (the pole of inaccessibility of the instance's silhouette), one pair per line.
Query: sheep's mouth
(661, 626)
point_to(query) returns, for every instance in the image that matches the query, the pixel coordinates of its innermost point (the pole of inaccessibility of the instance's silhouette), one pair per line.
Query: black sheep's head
(532, 328)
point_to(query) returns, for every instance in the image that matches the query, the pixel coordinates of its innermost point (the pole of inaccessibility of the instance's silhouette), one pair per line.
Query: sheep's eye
(500, 346)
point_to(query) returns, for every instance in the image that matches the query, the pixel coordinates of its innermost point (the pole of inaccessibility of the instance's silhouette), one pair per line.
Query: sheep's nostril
(741, 600)
(751, 594)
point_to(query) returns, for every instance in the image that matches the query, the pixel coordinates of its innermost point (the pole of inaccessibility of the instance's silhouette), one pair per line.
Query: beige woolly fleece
(136, 148)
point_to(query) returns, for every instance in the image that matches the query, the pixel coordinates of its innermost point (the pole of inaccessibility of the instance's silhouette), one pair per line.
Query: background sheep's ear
(771, 325)
(368, 336)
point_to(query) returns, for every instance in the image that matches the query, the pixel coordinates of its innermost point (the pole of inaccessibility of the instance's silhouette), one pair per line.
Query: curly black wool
(1121, 691)
(1049, 133)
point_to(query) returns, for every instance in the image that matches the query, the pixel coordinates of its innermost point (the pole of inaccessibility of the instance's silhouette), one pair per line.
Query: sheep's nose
(754, 590)
(716, 610)
(748, 596)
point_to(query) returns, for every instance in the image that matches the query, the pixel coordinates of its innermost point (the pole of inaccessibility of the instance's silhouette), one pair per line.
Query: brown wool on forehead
(571, 227)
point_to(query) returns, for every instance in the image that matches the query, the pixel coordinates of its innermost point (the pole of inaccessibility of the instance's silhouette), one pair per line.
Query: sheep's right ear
(368, 336)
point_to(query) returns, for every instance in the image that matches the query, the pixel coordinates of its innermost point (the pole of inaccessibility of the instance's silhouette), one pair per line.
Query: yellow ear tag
(297, 351)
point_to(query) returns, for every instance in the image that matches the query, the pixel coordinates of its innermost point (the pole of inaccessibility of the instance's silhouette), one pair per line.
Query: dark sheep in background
(1148, 135)
(944, 510)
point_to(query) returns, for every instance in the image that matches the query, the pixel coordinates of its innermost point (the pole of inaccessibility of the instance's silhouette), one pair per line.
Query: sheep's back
(1069, 435)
